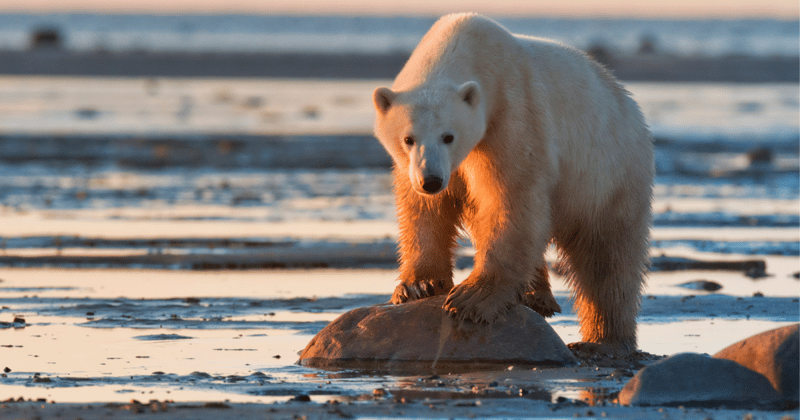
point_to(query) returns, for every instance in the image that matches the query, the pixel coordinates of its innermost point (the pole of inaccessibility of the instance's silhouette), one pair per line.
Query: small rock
(601, 54)
(216, 405)
(311, 112)
(691, 379)
(134, 407)
(756, 273)
(301, 398)
(707, 285)
(157, 406)
(774, 354)
(760, 154)
(47, 38)
(87, 113)
(369, 336)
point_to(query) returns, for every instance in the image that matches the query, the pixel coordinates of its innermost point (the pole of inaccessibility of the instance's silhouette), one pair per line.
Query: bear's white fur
(520, 141)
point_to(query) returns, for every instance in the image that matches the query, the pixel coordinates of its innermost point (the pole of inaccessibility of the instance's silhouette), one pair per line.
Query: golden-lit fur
(520, 141)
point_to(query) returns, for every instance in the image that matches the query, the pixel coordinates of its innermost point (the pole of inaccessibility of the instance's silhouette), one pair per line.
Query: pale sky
(783, 9)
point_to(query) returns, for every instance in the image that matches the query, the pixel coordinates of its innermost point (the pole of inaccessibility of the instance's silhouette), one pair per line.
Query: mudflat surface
(128, 271)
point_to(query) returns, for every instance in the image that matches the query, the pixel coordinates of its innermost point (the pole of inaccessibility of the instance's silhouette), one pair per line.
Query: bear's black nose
(432, 184)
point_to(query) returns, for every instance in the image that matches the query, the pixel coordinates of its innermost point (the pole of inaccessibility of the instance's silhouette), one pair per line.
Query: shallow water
(186, 282)
(327, 33)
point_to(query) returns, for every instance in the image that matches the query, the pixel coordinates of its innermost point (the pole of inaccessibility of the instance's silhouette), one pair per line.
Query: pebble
(301, 398)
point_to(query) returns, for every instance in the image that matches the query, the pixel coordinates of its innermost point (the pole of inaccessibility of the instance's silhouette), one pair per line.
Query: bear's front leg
(509, 250)
(428, 231)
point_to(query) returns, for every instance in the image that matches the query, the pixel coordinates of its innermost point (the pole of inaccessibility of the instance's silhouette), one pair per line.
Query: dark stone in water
(159, 337)
(756, 273)
(301, 398)
(46, 38)
(665, 263)
(691, 379)
(759, 154)
(707, 285)
(422, 335)
(87, 113)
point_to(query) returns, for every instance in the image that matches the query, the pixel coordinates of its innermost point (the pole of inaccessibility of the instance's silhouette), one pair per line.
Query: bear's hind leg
(540, 297)
(606, 260)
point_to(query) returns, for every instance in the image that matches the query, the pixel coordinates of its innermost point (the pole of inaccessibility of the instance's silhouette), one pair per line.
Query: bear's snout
(432, 184)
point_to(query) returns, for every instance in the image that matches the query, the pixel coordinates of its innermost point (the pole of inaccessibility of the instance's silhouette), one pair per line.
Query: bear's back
(455, 41)
(464, 41)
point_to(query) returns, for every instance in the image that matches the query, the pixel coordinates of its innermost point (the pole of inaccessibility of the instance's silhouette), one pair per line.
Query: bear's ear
(383, 97)
(470, 93)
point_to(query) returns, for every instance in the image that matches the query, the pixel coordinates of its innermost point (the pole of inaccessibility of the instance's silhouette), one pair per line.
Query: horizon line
(577, 9)
(676, 17)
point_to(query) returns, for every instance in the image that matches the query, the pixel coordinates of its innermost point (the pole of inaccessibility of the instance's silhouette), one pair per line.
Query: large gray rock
(774, 354)
(420, 334)
(691, 379)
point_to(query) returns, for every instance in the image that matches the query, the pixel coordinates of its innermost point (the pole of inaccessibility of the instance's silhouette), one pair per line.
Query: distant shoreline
(662, 68)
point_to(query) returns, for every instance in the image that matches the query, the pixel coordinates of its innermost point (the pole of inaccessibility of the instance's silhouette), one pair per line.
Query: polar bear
(520, 141)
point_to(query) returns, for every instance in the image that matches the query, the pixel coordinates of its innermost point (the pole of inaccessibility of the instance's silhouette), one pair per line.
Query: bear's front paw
(470, 301)
(406, 292)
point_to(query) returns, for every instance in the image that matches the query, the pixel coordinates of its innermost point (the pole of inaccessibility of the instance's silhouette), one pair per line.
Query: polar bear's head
(430, 131)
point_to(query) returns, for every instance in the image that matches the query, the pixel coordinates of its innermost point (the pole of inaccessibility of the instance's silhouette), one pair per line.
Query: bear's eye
(409, 141)
(447, 138)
